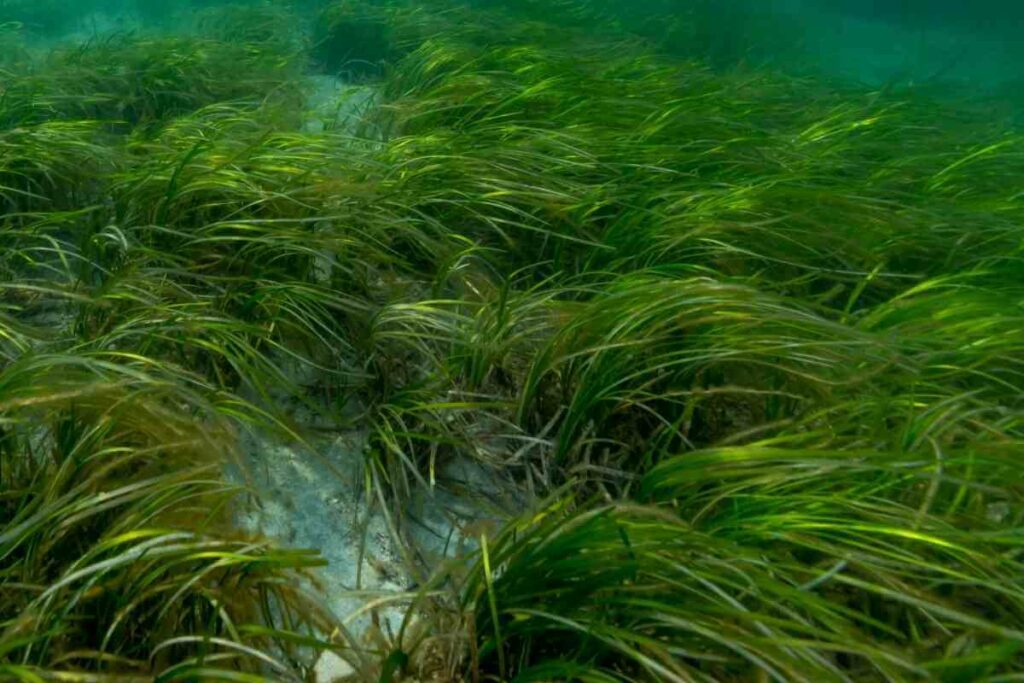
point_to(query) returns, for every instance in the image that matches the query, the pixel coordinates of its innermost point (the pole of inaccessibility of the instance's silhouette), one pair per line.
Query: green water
(877, 42)
(522, 340)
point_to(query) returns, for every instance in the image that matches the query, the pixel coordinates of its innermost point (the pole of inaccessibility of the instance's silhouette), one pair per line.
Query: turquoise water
(876, 41)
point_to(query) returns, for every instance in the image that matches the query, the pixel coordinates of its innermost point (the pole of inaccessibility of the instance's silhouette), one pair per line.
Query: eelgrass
(760, 336)
(117, 554)
(726, 276)
(763, 560)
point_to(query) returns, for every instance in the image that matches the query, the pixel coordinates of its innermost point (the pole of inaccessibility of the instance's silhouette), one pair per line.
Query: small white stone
(331, 668)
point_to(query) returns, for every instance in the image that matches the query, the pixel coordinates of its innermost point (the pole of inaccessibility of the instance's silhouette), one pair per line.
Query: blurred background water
(877, 42)
(881, 41)
(871, 41)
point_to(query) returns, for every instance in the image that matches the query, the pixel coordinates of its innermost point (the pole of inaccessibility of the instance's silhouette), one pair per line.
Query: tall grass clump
(118, 562)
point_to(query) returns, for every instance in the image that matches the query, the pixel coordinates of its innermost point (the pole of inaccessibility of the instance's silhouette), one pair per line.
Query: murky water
(877, 42)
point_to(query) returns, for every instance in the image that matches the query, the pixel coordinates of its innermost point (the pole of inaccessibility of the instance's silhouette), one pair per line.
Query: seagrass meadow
(711, 361)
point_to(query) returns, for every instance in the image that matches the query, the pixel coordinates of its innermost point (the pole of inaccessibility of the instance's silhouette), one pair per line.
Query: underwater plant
(732, 356)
